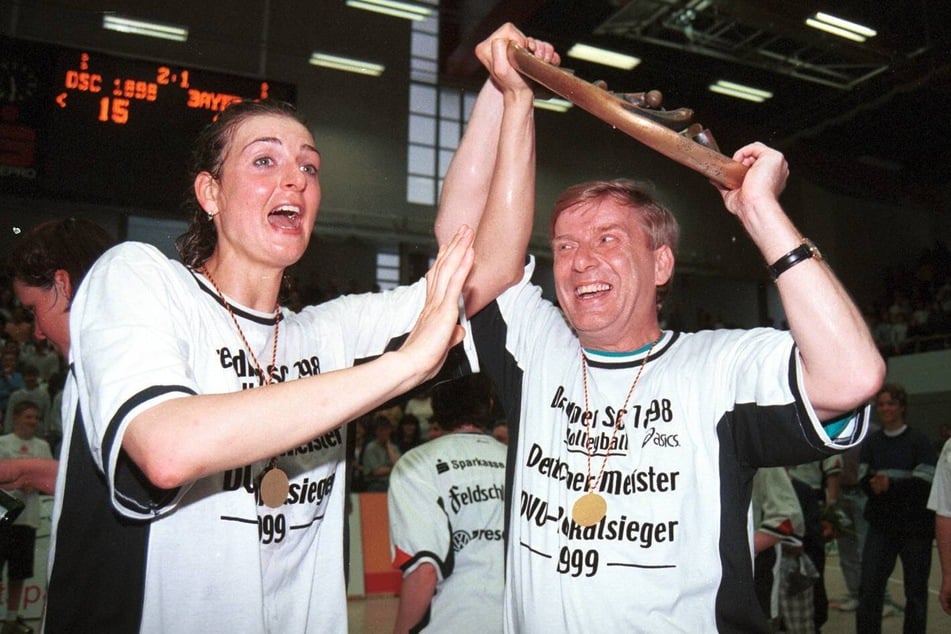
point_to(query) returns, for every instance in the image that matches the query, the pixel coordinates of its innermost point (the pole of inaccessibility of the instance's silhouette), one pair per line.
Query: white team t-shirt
(446, 507)
(146, 329)
(939, 500)
(674, 552)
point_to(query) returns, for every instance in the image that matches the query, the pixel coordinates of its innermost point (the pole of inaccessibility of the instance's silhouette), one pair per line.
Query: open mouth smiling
(285, 217)
(589, 290)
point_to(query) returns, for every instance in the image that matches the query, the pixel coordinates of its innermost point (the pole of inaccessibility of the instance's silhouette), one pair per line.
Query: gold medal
(589, 509)
(274, 486)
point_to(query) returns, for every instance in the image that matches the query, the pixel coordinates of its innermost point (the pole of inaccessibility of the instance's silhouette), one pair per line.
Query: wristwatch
(803, 252)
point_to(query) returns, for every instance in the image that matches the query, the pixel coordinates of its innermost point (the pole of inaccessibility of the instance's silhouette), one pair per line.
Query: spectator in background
(881, 328)
(10, 381)
(939, 501)
(393, 412)
(420, 406)
(43, 357)
(897, 469)
(19, 326)
(6, 308)
(777, 544)
(820, 487)
(380, 455)
(357, 439)
(18, 541)
(900, 305)
(899, 332)
(918, 325)
(409, 434)
(851, 539)
(34, 392)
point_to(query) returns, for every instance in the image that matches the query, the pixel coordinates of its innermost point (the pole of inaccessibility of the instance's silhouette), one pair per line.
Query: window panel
(422, 99)
(421, 160)
(420, 190)
(422, 130)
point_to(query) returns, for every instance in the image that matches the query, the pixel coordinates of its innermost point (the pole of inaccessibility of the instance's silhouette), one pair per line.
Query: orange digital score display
(116, 100)
(82, 125)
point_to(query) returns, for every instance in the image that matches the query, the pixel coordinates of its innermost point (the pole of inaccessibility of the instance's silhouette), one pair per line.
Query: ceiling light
(405, 10)
(142, 27)
(842, 28)
(347, 64)
(740, 91)
(554, 104)
(602, 56)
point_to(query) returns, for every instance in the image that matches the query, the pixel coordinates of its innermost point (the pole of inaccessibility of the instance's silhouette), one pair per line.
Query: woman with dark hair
(409, 433)
(48, 264)
(235, 494)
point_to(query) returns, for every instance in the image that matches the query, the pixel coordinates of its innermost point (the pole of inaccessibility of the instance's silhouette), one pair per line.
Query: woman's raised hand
(437, 329)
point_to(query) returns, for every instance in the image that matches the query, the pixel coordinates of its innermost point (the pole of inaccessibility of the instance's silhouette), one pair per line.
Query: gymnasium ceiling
(869, 119)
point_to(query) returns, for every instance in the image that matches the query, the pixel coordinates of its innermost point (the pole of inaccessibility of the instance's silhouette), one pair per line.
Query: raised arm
(490, 184)
(182, 439)
(841, 364)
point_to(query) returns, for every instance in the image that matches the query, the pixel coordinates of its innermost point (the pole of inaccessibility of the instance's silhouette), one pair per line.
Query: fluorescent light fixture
(740, 91)
(554, 104)
(347, 64)
(834, 30)
(602, 56)
(845, 24)
(406, 10)
(842, 28)
(142, 27)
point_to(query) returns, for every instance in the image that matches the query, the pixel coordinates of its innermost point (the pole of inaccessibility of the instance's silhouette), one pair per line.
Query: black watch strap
(803, 252)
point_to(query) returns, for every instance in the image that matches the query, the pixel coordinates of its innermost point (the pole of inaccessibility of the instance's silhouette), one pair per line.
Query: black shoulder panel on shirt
(98, 574)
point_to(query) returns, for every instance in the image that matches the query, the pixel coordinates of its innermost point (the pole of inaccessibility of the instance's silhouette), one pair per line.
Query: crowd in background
(378, 439)
(914, 312)
(30, 370)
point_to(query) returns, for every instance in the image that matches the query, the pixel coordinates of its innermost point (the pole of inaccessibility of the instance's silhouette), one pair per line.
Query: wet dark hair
(70, 244)
(208, 155)
(467, 400)
(655, 218)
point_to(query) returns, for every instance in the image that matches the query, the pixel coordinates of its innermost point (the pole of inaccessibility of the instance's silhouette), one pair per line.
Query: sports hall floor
(376, 614)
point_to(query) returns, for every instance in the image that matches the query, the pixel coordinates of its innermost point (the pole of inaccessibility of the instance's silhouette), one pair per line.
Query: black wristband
(805, 251)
